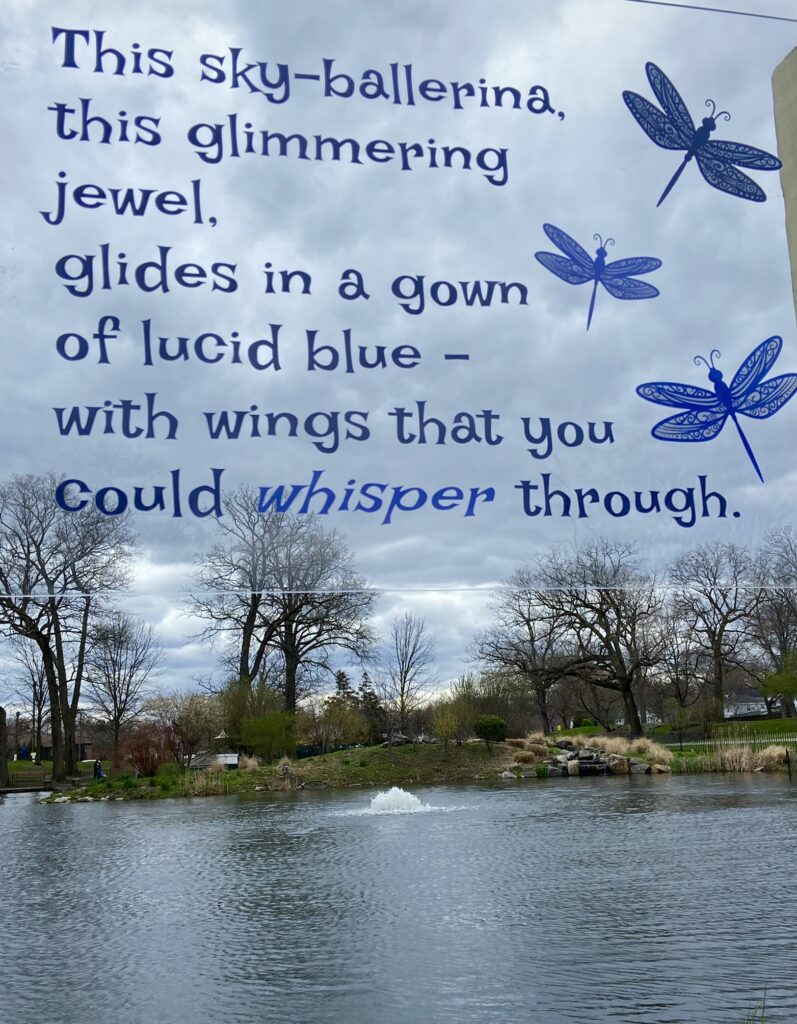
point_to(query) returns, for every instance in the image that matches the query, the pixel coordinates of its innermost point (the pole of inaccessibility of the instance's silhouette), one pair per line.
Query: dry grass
(583, 741)
(525, 757)
(208, 782)
(520, 744)
(609, 745)
(653, 751)
(770, 757)
(535, 738)
(734, 759)
(248, 764)
(538, 749)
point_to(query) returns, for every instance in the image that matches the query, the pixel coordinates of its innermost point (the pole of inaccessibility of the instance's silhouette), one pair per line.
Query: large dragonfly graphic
(708, 411)
(578, 267)
(672, 127)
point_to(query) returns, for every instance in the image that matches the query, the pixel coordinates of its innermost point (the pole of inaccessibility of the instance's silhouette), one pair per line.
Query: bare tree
(281, 582)
(602, 597)
(526, 642)
(3, 749)
(123, 655)
(55, 571)
(409, 663)
(717, 597)
(774, 621)
(32, 689)
(188, 720)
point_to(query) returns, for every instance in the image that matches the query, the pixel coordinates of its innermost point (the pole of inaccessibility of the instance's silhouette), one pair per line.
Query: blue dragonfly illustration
(672, 127)
(706, 412)
(578, 267)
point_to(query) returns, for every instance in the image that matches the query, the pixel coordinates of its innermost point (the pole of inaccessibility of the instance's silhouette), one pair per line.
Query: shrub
(269, 735)
(490, 728)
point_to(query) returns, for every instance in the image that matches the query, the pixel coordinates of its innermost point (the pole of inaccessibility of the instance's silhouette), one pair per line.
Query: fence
(29, 780)
(732, 738)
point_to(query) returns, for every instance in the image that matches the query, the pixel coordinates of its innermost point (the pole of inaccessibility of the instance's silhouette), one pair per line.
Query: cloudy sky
(724, 279)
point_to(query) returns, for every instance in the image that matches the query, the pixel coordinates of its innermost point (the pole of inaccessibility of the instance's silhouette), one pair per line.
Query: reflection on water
(628, 900)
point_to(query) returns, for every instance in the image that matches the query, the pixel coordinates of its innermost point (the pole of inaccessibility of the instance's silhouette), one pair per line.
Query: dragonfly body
(672, 127)
(576, 266)
(706, 412)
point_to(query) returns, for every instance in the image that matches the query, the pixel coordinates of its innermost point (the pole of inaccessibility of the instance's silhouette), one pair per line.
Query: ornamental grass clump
(653, 751)
(535, 738)
(520, 744)
(734, 759)
(525, 757)
(771, 758)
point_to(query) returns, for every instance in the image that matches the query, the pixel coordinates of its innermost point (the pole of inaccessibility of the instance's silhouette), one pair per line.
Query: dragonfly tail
(748, 449)
(592, 304)
(672, 181)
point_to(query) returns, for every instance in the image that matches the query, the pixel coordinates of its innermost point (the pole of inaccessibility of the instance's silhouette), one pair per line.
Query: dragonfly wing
(569, 247)
(765, 400)
(742, 155)
(633, 265)
(687, 396)
(655, 125)
(691, 426)
(726, 178)
(564, 268)
(755, 368)
(671, 102)
(629, 288)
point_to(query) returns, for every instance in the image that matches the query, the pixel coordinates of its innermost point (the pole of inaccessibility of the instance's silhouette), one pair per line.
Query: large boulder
(564, 744)
(573, 767)
(618, 765)
(638, 767)
(660, 769)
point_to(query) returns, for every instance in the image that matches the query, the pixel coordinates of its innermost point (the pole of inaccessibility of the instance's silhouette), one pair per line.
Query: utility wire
(714, 10)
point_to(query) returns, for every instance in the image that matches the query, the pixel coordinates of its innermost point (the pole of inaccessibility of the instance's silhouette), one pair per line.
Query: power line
(482, 588)
(714, 10)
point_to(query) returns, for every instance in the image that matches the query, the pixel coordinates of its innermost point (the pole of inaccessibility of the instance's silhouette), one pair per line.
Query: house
(83, 747)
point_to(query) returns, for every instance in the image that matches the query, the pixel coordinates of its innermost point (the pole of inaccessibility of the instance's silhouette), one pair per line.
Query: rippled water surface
(608, 900)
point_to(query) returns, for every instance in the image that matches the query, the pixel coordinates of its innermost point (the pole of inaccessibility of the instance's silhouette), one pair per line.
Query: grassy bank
(377, 767)
(425, 764)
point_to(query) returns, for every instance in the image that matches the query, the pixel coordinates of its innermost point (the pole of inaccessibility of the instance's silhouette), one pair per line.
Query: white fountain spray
(397, 801)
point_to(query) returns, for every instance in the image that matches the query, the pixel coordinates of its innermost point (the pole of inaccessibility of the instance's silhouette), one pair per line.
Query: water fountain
(397, 801)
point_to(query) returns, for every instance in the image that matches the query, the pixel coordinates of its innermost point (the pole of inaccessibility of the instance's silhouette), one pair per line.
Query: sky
(583, 165)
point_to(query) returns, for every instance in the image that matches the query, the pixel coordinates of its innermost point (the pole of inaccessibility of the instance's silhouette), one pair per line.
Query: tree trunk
(542, 708)
(3, 750)
(787, 706)
(718, 694)
(291, 671)
(632, 719)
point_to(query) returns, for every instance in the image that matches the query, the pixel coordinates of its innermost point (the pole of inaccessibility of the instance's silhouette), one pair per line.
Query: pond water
(638, 900)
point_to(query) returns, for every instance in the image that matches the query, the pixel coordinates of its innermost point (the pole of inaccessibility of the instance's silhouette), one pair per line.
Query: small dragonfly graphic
(672, 127)
(707, 411)
(578, 267)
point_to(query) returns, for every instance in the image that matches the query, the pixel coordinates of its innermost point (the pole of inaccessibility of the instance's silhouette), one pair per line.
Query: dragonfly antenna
(716, 116)
(609, 241)
(702, 359)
